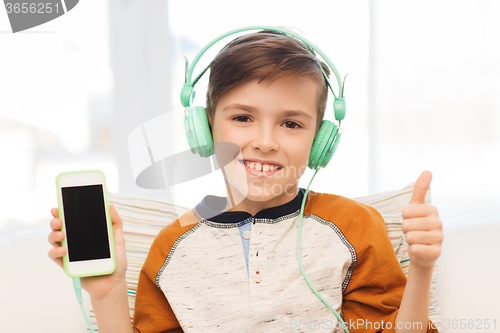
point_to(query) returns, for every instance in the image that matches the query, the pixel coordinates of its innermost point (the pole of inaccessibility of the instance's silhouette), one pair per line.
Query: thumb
(115, 218)
(420, 189)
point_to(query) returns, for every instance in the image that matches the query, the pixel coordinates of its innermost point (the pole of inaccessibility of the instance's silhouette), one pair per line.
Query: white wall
(435, 103)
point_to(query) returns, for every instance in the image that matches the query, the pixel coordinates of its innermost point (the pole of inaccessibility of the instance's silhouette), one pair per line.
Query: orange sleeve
(373, 295)
(152, 310)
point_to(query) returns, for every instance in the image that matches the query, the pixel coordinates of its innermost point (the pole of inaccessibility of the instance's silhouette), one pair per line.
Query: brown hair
(265, 55)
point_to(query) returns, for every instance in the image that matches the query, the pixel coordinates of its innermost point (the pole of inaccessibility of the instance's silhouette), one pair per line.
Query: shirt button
(257, 278)
(246, 234)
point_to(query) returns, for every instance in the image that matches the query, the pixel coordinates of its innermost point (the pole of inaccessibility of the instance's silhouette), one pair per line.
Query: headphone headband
(187, 90)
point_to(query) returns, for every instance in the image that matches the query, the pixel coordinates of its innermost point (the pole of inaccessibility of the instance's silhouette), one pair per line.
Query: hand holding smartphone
(83, 208)
(85, 231)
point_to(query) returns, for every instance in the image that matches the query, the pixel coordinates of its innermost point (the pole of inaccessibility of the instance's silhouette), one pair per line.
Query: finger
(56, 224)
(424, 237)
(428, 253)
(55, 238)
(56, 255)
(421, 224)
(420, 189)
(54, 212)
(117, 227)
(115, 217)
(419, 210)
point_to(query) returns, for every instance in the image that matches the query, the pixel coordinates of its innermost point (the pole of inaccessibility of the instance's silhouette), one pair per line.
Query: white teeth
(264, 167)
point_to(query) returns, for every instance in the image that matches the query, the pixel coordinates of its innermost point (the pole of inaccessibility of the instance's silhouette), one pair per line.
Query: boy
(229, 265)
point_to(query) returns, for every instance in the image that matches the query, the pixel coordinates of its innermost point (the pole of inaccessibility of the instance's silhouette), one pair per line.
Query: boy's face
(274, 125)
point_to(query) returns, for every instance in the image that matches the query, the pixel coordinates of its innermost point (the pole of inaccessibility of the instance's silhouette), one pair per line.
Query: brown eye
(292, 125)
(241, 119)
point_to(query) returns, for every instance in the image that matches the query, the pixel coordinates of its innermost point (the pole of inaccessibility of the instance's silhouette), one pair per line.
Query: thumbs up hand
(422, 226)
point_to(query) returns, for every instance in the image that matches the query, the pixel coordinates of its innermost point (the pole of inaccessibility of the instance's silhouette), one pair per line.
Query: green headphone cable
(78, 289)
(299, 257)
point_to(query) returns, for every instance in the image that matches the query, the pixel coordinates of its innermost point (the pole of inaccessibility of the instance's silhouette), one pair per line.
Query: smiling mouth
(261, 166)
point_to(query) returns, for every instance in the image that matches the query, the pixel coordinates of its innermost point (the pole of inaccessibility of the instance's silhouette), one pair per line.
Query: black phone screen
(85, 219)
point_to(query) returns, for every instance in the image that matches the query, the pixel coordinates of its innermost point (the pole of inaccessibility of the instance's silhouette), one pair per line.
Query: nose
(266, 139)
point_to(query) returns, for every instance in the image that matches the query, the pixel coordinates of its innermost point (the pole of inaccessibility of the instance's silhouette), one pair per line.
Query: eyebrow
(248, 108)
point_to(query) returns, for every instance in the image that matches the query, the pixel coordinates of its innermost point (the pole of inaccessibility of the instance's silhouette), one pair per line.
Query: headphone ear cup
(331, 148)
(324, 145)
(198, 132)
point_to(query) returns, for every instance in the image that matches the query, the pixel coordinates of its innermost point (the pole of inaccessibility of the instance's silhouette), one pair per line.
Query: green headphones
(196, 121)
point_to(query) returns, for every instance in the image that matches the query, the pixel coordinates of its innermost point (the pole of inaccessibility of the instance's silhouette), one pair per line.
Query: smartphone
(83, 208)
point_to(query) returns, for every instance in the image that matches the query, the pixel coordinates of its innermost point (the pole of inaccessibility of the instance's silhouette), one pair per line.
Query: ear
(210, 120)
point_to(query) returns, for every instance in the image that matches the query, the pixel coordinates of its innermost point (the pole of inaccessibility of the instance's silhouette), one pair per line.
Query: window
(55, 111)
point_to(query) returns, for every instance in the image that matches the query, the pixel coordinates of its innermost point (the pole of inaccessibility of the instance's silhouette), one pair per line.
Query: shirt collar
(210, 209)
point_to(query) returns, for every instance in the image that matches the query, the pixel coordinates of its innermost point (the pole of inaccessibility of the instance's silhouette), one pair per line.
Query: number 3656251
(33, 8)
(477, 324)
